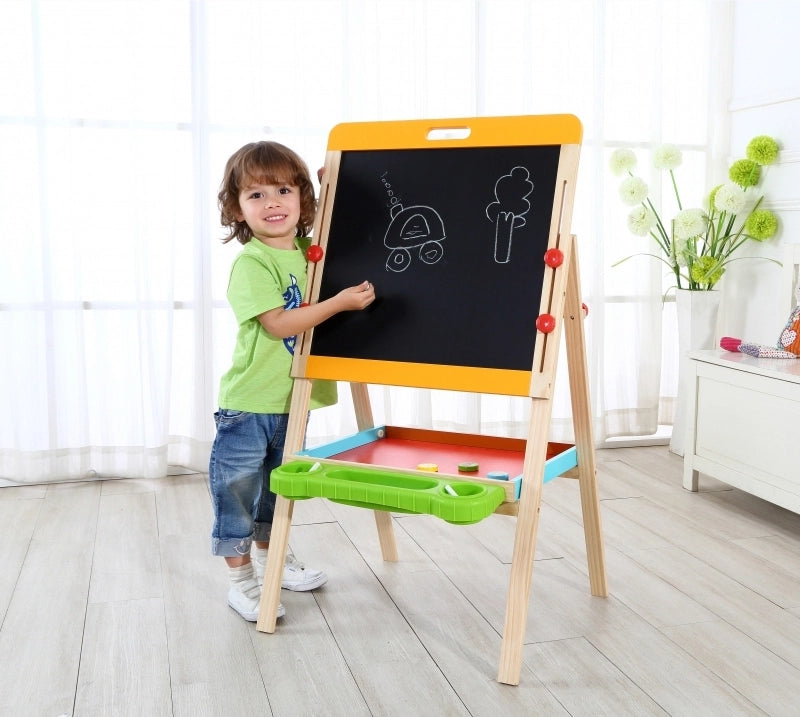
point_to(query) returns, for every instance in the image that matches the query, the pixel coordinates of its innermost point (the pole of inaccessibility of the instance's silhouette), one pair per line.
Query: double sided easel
(560, 307)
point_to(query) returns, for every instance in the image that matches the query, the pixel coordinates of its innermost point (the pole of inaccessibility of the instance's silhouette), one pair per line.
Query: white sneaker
(246, 606)
(296, 576)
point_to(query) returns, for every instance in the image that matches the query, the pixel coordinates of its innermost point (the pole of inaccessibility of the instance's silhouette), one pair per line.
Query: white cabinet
(743, 425)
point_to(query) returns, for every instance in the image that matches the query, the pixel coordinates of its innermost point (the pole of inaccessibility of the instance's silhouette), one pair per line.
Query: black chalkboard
(453, 240)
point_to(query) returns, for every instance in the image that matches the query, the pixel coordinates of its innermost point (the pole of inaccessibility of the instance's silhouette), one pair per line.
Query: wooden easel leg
(282, 518)
(582, 420)
(383, 519)
(273, 573)
(519, 585)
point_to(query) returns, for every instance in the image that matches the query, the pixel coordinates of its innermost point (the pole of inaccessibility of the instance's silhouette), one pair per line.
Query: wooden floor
(111, 604)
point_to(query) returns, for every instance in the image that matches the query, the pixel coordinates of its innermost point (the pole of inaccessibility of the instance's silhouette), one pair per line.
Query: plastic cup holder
(460, 502)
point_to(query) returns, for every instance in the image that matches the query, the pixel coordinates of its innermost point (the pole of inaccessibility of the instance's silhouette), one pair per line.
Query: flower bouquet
(698, 244)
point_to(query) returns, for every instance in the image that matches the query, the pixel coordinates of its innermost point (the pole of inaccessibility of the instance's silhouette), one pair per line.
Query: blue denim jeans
(246, 449)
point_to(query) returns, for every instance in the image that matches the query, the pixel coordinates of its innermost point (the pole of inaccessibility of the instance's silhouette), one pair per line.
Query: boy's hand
(357, 297)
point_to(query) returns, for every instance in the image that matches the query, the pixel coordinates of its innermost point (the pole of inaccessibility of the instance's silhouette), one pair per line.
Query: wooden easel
(560, 298)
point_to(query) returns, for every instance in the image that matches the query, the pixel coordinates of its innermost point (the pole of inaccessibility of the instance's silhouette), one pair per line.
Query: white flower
(622, 161)
(690, 223)
(633, 190)
(667, 156)
(730, 198)
(641, 220)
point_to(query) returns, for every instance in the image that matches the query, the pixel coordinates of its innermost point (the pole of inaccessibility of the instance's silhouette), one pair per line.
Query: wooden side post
(582, 423)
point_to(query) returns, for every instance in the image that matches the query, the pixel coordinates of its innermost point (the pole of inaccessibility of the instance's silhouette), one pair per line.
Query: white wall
(765, 99)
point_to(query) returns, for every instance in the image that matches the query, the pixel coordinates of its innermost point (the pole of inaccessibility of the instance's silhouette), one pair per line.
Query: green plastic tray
(386, 490)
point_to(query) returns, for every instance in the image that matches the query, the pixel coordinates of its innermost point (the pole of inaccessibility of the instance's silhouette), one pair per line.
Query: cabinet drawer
(749, 423)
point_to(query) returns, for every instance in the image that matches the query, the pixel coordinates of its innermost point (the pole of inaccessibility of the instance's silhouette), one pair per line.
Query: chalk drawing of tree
(508, 212)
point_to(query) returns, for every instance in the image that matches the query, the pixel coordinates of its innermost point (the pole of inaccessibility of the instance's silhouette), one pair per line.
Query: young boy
(267, 203)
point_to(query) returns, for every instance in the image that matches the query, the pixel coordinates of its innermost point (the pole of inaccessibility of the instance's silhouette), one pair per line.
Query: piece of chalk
(314, 467)
(430, 467)
(497, 475)
(468, 467)
(449, 490)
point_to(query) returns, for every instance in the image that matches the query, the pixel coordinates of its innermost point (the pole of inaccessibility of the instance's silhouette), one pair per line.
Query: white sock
(259, 558)
(244, 580)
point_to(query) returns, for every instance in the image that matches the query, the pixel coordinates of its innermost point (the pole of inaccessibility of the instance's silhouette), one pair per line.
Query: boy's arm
(283, 323)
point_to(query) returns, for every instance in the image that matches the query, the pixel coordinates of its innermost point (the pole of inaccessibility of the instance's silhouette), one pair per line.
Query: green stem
(675, 187)
(663, 237)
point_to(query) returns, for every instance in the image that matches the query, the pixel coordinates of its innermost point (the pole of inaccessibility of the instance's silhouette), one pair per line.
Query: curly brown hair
(264, 163)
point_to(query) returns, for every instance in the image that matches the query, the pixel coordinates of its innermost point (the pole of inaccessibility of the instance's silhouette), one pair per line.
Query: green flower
(706, 270)
(762, 150)
(761, 224)
(622, 161)
(745, 172)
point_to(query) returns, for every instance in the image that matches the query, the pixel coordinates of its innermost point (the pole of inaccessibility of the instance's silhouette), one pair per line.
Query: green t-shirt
(263, 278)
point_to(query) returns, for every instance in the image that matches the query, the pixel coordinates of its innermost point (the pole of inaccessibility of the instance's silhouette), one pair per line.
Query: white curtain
(116, 118)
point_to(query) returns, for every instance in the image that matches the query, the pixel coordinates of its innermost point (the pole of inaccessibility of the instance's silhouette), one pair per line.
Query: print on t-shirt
(292, 299)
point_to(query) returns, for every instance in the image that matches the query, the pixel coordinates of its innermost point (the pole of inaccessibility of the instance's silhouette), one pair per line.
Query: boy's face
(272, 211)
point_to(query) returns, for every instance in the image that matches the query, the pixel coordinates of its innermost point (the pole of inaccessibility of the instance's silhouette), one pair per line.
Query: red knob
(304, 303)
(585, 309)
(314, 253)
(545, 323)
(554, 258)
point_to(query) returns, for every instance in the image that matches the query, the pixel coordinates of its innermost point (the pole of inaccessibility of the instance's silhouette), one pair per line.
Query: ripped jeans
(246, 449)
